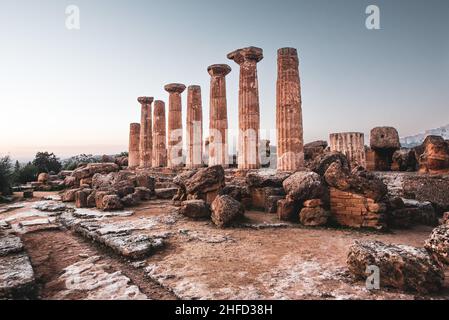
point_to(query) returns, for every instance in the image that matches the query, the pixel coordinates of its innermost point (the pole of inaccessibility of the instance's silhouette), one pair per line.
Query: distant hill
(413, 141)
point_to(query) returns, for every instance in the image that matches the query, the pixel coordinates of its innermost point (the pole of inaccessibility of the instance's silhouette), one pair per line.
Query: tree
(6, 175)
(27, 173)
(47, 162)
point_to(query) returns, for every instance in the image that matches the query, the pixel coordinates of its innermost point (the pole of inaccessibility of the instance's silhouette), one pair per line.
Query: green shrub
(6, 176)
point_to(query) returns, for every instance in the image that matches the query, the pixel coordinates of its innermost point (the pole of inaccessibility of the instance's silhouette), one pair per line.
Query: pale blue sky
(75, 91)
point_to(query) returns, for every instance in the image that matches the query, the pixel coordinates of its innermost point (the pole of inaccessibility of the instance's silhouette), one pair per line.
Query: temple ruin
(352, 145)
(159, 135)
(134, 145)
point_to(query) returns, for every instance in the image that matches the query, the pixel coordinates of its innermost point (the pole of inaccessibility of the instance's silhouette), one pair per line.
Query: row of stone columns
(153, 151)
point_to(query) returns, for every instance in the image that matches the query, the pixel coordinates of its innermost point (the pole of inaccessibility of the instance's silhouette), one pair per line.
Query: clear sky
(74, 91)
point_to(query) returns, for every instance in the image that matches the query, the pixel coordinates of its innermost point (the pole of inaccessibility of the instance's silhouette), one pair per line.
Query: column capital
(145, 100)
(287, 52)
(175, 88)
(244, 54)
(219, 70)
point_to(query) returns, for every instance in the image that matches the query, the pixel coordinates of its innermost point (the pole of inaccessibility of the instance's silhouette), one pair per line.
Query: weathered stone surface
(194, 128)
(321, 164)
(438, 243)
(404, 160)
(92, 168)
(249, 114)
(166, 193)
(143, 193)
(435, 158)
(17, 279)
(304, 185)
(218, 116)
(266, 178)
(69, 195)
(205, 180)
(287, 209)
(424, 212)
(111, 203)
(174, 151)
(10, 244)
(271, 203)
(225, 210)
(196, 209)
(360, 182)
(50, 206)
(146, 132)
(314, 149)
(81, 198)
(402, 267)
(314, 216)
(131, 200)
(92, 278)
(28, 194)
(238, 192)
(356, 210)
(422, 187)
(384, 138)
(290, 141)
(134, 145)
(159, 135)
(259, 196)
(352, 145)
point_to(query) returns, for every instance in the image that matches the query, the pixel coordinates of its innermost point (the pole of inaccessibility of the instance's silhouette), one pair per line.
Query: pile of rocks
(111, 191)
(433, 155)
(49, 182)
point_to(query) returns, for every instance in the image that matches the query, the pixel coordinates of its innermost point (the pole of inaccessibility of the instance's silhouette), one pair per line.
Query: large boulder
(321, 164)
(111, 203)
(69, 195)
(195, 209)
(384, 138)
(404, 160)
(314, 149)
(287, 209)
(314, 216)
(358, 181)
(435, 158)
(206, 180)
(225, 210)
(438, 243)
(402, 267)
(266, 178)
(304, 185)
(43, 178)
(92, 168)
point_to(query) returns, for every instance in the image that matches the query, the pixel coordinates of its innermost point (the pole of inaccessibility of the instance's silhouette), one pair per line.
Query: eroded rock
(226, 210)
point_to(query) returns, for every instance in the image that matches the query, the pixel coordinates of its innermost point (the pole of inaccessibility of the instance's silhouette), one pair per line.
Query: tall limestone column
(146, 132)
(194, 128)
(174, 150)
(218, 116)
(159, 135)
(134, 145)
(290, 141)
(249, 116)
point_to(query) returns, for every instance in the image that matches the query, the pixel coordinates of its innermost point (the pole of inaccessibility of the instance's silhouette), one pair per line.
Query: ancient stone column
(290, 142)
(194, 128)
(146, 132)
(249, 117)
(174, 150)
(134, 145)
(218, 116)
(352, 145)
(159, 135)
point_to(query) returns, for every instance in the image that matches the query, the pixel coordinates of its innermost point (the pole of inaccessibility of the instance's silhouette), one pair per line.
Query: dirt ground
(261, 259)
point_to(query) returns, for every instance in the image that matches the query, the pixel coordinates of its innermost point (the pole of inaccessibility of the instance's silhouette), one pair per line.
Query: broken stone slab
(226, 210)
(303, 185)
(314, 216)
(195, 209)
(438, 243)
(83, 213)
(35, 222)
(50, 206)
(17, 279)
(90, 276)
(266, 178)
(403, 267)
(166, 193)
(53, 197)
(204, 236)
(11, 207)
(10, 244)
